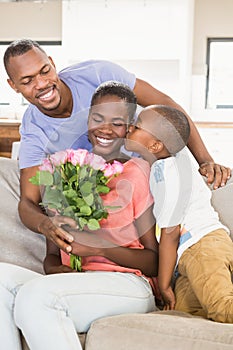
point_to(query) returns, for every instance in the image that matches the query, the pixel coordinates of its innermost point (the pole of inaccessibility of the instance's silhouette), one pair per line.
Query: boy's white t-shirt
(181, 197)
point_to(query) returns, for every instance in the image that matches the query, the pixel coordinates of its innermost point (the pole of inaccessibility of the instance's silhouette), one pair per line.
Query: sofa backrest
(19, 245)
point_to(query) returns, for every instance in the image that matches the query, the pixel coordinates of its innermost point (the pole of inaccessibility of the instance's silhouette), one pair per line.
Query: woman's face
(107, 125)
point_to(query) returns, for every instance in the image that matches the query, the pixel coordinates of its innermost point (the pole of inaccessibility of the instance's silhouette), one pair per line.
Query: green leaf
(75, 262)
(113, 207)
(86, 187)
(93, 224)
(70, 193)
(73, 178)
(83, 172)
(99, 214)
(105, 215)
(82, 222)
(79, 202)
(102, 189)
(89, 199)
(69, 211)
(35, 179)
(46, 178)
(42, 178)
(57, 178)
(53, 197)
(86, 210)
(93, 178)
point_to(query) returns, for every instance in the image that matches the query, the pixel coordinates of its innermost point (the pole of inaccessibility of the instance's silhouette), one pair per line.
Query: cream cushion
(159, 330)
(19, 245)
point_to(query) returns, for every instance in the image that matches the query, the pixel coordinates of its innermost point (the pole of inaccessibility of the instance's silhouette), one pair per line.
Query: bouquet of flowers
(73, 181)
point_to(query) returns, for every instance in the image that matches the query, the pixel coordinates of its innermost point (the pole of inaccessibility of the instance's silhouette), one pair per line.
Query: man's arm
(148, 95)
(33, 217)
(168, 245)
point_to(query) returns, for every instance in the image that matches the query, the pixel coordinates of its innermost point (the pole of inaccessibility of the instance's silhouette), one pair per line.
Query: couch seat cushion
(159, 330)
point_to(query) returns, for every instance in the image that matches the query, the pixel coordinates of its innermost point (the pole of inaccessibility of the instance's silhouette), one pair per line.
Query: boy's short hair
(120, 90)
(171, 127)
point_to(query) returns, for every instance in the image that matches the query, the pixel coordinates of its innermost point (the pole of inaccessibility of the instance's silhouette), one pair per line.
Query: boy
(192, 238)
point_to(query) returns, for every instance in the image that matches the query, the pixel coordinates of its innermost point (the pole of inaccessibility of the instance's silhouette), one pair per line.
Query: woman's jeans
(50, 310)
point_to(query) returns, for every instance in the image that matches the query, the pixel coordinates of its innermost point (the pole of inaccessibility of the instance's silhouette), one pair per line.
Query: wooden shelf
(9, 133)
(211, 125)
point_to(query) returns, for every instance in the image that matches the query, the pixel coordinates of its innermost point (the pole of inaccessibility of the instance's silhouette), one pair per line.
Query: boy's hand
(168, 298)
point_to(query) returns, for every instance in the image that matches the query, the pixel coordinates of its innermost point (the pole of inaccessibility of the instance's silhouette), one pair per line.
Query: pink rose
(79, 156)
(108, 170)
(58, 158)
(96, 162)
(46, 166)
(117, 167)
(70, 154)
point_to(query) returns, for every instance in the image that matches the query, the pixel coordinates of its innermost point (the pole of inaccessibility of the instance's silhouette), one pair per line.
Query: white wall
(153, 38)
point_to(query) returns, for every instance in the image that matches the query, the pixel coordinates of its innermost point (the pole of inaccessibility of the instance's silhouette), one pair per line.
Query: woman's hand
(54, 228)
(88, 243)
(216, 174)
(59, 269)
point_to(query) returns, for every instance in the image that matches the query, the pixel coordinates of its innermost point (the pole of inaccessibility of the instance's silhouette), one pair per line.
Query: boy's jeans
(204, 286)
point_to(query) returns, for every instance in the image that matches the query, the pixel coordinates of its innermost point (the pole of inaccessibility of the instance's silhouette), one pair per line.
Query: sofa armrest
(222, 201)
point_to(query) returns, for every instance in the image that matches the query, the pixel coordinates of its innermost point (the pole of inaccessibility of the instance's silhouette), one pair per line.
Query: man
(56, 119)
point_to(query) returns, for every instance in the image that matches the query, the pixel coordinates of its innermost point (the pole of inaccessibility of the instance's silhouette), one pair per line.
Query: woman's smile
(104, 142)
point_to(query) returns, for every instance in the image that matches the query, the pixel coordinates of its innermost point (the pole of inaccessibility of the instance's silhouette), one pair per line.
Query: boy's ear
(156, 146)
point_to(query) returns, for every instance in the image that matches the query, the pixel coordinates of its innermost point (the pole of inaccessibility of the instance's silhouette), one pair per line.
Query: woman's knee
(12, 276)
(29, 301)
(34, 299)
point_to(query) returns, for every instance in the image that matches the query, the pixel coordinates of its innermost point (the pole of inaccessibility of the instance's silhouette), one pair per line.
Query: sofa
(163, 330)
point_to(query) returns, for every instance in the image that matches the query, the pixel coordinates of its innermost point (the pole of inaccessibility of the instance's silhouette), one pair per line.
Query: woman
(118, 262)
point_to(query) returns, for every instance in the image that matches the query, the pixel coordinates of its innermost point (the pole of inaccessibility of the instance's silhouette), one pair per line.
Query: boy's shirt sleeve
(171, 186)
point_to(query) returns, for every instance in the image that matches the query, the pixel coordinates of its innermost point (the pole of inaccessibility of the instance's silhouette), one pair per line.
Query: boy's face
(139, 138)
(107, 125)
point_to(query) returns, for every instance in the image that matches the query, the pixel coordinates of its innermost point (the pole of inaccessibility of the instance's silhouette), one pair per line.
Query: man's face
(33, 74)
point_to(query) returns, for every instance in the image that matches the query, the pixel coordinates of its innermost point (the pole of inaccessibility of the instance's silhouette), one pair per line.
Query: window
(219, 73)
